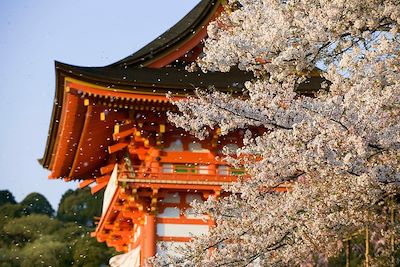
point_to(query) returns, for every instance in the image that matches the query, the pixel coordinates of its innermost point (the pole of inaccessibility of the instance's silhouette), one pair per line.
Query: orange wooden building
(109, 130)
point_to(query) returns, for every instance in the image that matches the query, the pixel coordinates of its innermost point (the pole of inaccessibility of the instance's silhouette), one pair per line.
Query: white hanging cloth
(130, 259)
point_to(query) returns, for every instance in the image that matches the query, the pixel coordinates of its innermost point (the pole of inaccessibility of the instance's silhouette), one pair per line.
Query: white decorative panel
(167, 168)
(181, 230)
(222, 170)
(203, 169)
(110, 189)
(169, 213)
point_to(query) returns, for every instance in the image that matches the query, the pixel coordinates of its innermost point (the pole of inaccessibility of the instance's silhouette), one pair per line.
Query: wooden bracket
(86, 183)
(116, 147)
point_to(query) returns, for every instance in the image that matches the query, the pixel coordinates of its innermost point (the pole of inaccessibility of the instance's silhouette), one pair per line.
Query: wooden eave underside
(144, 88)
(155, 81)
(78, 138)
(148, 83)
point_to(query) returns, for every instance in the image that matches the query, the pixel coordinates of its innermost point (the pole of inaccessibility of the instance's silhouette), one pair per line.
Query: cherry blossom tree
(336, 151)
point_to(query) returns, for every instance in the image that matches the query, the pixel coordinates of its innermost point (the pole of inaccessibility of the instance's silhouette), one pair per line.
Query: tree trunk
(348, 248)
(366, 246)
(392, 226)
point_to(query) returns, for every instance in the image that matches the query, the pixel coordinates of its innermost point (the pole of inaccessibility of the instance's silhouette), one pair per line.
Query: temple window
(196, 147)
(176, 145)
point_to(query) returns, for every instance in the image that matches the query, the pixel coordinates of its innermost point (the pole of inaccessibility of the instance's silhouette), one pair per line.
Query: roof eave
(45, 161)
(174, 37)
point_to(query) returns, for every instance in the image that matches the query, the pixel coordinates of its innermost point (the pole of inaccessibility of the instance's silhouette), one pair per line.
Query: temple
(109, 130)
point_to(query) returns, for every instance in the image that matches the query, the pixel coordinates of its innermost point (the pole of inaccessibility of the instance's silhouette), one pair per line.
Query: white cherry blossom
(339, 150)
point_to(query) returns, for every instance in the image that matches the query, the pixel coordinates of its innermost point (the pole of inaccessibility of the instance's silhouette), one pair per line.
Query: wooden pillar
(149, 236)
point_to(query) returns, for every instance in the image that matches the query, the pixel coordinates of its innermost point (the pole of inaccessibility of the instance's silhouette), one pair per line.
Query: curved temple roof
(139, 70)
(148, 72)
(181, 31)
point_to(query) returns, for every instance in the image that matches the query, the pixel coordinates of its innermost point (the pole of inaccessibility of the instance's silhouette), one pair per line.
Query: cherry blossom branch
(247, 116)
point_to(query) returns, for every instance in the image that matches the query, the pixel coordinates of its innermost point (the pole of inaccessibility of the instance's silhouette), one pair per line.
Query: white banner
(110, 189)
(130, 259)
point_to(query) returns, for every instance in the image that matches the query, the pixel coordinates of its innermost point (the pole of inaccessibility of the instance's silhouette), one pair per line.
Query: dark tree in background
(37, 203)
(80, 206)
(6, 197)
(30, 234)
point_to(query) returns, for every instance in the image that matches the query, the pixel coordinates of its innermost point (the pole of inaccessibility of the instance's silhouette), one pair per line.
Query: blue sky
(34, 33)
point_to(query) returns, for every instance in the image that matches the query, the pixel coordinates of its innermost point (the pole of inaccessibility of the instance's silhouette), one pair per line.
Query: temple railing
(182, 174)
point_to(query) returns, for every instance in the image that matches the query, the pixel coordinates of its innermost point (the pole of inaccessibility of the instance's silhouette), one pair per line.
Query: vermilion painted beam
(103, 179)
(108, 226)
(183, 221)
(116, 147)
(107, 169)
(107, 92)
(98, 187)
(100, 237)
(189, 157)
(188, 187)
(86, 183)
(123, 134)
(125, 127)
(174, 238)
(133, 215)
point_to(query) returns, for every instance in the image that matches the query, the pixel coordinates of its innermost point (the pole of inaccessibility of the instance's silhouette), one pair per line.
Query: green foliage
(30, 228)
(45, 251)
(70, 232)
(6, 197)
(29, 236)
(88, 252)
(10, 257)
(7, 213)
(85, 250)
(80, 206)
(37, 203)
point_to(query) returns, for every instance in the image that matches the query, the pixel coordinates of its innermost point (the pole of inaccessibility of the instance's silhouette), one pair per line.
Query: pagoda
(109, 129)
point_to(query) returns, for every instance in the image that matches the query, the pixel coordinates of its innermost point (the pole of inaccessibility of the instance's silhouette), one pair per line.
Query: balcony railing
(182, 174)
